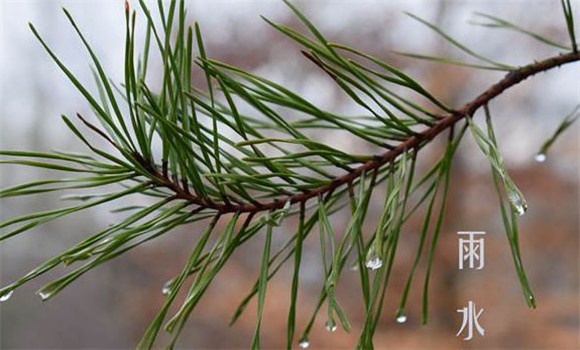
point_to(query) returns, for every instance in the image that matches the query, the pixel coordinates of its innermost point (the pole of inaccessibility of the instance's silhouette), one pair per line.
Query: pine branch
(412, 142)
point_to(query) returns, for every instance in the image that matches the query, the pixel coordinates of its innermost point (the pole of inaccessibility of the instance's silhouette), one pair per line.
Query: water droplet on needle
(374, 263)
(401, 319)
(4, 297)
(517, 202)
(43, 296)
(520, 207)
(331, 326)
(167, 287)
(540, 157)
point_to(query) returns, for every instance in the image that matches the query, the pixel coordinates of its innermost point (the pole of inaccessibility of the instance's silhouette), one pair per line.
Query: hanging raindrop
(374, 263)
(520, 210)
(373, 258)
(520, 207)
(330, 326)
(401, 315)
(540, 157)
(517, 202)
(167, 287)
(5, 296)
(43, 295)
(304, 343)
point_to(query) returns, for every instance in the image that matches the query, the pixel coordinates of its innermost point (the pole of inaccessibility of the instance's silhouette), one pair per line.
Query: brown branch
(446, 121)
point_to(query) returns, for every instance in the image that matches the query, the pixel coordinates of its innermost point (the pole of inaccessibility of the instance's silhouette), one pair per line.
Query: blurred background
(111, 307)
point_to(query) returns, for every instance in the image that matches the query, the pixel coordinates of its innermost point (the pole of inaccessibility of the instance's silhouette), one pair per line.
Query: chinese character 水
(470, 319)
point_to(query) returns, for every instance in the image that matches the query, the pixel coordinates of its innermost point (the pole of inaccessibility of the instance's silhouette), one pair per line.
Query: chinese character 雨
(470, 317)
(471, 249)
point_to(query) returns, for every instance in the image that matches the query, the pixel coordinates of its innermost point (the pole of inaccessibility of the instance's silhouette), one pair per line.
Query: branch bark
(445, 122)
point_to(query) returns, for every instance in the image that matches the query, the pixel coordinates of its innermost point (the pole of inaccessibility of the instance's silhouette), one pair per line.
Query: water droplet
(304, 343)
(540, 157)
(517, 202)
(43, 295)
(167, 287)
(50, 290)
(330, 326)
(373, 258)
(401, 319)
(374, 263)
(5, 296)
(520, 207)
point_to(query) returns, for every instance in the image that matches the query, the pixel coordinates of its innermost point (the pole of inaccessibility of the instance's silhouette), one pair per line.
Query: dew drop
(517, 202)
(43, 295)
(401, 319)
(304, 343)
(167, 287)
(5, 296)
(330, 326)
(520, 207)
(374, 263)
(373, 257)
(50, 290)
(401, 315)
(540, 157)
